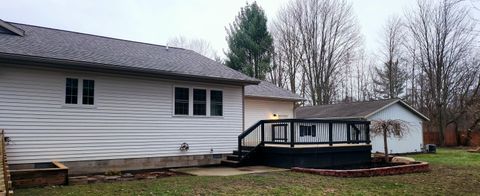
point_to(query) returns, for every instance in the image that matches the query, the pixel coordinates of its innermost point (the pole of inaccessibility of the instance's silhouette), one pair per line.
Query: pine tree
(391, 79)
(392, 76)
(249, 42)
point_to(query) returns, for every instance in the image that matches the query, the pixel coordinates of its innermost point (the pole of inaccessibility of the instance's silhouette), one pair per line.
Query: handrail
(250, 129)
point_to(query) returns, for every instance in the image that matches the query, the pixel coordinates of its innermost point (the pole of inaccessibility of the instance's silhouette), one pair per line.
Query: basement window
(308, 131)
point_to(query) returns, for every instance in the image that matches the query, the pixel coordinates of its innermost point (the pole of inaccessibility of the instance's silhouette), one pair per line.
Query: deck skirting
(314, 157)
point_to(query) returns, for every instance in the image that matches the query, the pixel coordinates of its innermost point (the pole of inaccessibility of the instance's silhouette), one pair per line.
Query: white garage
(267, 101)
(375, 110)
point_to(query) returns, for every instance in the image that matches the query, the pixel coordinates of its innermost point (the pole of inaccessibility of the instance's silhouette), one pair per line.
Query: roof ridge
(100, 36)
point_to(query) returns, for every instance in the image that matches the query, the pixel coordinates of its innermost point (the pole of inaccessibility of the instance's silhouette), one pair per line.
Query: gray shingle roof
(269, 90)
(350, 110)
(53, 44)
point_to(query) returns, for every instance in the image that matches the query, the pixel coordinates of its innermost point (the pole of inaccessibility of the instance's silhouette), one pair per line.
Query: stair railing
(251, 138)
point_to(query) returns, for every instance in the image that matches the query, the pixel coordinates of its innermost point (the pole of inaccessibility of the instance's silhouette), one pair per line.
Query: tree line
(429, 56)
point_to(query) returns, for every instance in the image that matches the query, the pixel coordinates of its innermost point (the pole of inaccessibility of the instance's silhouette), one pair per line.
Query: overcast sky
(156, 21)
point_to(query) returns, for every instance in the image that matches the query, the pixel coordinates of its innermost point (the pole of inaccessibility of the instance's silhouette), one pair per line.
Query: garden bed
(39, 174)
(375, 169)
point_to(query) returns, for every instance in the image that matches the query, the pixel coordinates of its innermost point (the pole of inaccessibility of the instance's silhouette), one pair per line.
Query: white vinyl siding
(132, 118)
(260, 109)
(411, 142)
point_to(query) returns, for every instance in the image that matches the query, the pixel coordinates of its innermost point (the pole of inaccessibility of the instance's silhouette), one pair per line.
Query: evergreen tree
(249, 42)
(391, 79)
(392, 76)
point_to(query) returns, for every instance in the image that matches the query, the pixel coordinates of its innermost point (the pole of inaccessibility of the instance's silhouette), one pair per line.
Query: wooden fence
(6, 182)
(451, 138)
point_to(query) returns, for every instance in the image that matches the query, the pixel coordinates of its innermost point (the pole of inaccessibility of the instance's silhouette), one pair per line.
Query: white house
(97, 103)
(376, 110)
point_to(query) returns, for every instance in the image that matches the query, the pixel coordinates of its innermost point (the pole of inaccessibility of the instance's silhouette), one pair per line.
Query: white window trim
(80, 93)
(190, 102)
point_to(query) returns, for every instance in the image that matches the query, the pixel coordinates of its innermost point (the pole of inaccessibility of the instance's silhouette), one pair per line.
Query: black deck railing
(304, 131)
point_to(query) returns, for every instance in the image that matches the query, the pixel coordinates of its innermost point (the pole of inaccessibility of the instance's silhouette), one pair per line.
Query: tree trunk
(385, 146)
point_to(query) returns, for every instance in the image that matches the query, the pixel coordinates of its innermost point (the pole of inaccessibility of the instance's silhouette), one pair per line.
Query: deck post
(368, 132)
(292, 134)
(348, 133)
(357, 134)
(330, 134)
(263, 132)
(240, 148)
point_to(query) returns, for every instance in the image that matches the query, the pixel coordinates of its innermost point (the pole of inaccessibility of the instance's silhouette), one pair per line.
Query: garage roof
(356, 110)
(270, 91)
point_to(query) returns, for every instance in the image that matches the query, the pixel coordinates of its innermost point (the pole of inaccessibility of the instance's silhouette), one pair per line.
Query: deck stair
(234, 159)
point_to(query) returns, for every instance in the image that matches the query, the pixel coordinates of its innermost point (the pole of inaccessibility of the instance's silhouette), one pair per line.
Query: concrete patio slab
(227, 171)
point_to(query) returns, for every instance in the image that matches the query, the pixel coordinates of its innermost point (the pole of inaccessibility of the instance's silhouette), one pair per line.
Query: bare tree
(200, 46)
(389, 128)
(327, 34)
(288, 53)
(392, 76)
(444, 36)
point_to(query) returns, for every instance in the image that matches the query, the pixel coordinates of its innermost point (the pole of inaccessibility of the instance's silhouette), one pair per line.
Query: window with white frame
(181, 101)
(71, 91)
(216, 103)
(88, 92)
(74, 90)
(197, 102)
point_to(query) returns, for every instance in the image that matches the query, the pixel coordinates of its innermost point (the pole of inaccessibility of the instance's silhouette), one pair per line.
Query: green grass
(454, 172)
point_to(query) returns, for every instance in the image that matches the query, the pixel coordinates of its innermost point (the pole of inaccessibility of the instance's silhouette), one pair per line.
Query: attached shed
(268, 101)
(375, 110)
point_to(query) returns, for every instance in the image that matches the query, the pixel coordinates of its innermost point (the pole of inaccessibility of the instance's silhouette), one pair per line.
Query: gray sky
(156, 21)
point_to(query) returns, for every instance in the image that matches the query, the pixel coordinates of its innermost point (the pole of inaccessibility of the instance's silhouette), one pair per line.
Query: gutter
(273, 98)
(89, 66)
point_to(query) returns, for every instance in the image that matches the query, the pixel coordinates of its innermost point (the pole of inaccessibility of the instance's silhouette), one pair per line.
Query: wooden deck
(316, 143)
(313, 145)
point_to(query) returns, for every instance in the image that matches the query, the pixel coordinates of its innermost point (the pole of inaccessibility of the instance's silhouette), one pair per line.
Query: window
(216, 103)
(199, 102)
(71, 91)
(75, 88)
(181, 101)
(88, 92)
(308, 131)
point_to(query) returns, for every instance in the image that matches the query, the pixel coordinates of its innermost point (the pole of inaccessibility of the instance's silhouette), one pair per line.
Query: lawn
(454, 172)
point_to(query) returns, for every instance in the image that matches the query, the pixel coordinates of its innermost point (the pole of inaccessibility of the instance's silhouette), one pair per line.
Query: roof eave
(340, 118)
(60, 63)
(275, 98)
(404, 105)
